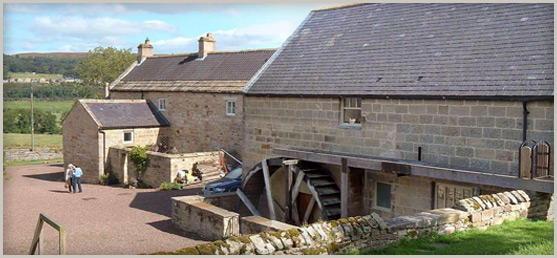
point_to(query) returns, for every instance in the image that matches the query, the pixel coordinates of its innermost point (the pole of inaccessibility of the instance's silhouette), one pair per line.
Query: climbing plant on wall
(138, 155)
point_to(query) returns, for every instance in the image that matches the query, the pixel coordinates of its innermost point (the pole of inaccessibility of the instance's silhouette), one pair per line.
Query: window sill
(382, 209)
(350, 126)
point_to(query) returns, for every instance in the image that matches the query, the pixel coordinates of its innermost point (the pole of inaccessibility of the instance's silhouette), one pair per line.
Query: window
(128, 137)
(352, 111)
(162, 104)
(383, 196)
(230, 108)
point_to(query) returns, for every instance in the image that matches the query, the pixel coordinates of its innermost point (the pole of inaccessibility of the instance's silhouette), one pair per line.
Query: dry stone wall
(37, 154)
(372, 232)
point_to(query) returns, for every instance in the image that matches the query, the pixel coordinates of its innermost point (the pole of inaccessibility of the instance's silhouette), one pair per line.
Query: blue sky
(172, 28)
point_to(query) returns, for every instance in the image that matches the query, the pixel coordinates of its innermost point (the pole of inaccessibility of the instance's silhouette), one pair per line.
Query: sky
(172, 28)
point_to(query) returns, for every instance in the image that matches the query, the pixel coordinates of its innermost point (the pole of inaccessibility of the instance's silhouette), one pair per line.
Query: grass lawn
(16, 140)
(517, 237)
(47, 106)
(36, 76)
(31, 162)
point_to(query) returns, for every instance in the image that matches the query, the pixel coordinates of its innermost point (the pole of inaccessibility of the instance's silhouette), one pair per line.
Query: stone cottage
(409, 106)
(93, 126)
(199, 93)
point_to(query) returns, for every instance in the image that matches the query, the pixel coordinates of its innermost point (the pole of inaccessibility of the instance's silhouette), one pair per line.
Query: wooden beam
(247, 202)
(420, 169)
(297, 184)
(309, 209)
(36, 236)
(267, 179)
(344, 170)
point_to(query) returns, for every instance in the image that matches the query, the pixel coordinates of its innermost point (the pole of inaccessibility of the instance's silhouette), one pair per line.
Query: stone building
(199, 93)
(92, 127)
(409, 106)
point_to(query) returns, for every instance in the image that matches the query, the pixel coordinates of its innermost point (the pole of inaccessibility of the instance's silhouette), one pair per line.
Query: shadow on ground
(159, 202)
(54, 177)
(168, 227)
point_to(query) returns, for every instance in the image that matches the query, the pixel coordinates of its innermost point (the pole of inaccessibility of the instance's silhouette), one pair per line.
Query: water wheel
(313, 190)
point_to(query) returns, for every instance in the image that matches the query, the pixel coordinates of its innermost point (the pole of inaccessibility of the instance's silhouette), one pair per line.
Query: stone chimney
(107, 90)
(206, 45)
(144, 50)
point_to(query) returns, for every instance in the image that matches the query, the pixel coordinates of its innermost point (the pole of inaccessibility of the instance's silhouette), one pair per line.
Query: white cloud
(96, 27)
(255, 36)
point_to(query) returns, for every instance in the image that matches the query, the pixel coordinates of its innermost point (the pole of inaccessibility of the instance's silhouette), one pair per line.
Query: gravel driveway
(101, 220)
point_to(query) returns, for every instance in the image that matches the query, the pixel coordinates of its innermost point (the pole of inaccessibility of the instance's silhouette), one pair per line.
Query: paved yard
(101, 220)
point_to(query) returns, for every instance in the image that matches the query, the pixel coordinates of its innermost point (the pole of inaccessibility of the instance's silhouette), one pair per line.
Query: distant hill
(53, 55)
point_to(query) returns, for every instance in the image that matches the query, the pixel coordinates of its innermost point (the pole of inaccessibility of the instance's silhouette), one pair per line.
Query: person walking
(68, 178)
(76, 176)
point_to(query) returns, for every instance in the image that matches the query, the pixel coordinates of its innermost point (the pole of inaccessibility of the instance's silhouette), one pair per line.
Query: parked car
(229, 183)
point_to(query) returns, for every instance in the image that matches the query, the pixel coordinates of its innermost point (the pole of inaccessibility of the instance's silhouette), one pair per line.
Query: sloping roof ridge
(116, 101)
(90, 112)
(340, 7)
(216, 52)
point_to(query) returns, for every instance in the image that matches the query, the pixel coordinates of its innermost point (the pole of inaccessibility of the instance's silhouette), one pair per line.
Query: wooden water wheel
(310, 194)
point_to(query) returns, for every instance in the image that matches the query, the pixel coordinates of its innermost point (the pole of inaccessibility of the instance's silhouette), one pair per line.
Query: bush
(138, 155)
(108, 179)
(170, 186)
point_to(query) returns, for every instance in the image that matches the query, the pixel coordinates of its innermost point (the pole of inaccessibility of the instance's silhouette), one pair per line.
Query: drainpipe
(525, 120)
(104, 150)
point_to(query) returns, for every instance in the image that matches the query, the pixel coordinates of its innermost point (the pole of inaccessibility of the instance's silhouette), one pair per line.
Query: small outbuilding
(93, 126)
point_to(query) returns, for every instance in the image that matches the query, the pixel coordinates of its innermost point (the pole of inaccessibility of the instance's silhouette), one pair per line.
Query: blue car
(229, 183)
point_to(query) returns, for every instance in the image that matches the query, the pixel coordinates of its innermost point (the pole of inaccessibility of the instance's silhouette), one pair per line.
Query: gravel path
(101, 220)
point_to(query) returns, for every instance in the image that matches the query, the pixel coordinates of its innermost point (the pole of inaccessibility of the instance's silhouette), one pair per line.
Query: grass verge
(17, 140)
(517, 237)
(32, 162)
(46, 106)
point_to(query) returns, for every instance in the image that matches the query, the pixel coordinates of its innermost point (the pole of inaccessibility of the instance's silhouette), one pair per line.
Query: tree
(104, 65)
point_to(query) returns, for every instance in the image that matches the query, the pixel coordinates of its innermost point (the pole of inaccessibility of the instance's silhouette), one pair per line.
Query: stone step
(332, 213)
(211, 178)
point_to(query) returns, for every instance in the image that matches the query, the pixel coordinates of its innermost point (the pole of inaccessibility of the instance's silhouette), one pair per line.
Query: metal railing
(230, 155)
(38, 240)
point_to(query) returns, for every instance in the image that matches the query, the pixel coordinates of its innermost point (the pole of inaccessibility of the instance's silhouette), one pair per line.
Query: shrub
(138, 156)
(170, 186)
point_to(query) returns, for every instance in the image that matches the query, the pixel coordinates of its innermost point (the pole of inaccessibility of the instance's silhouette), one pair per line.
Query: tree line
(48, 92)
(19, 121)
(50, 65)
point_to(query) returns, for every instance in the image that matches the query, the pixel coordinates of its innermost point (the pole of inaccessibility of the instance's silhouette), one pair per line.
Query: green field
(523, 237)
(15, 140)
(35, 76)
(47, 106)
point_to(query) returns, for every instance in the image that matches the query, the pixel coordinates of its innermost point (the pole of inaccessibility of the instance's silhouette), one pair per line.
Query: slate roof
(416, 50)
(217, 72)
(113, 114)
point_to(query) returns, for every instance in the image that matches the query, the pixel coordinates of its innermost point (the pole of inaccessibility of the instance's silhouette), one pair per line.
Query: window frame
(163, 106)
(227, 102)
(376, 195)
(124, 137)
(343, 113)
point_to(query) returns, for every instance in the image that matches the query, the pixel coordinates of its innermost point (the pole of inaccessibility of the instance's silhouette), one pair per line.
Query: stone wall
(162, 167)
(477, 135)
(371, 232)
(257, 224)
(198, 121)
(81, 143)
(38, 154)
(191, 214)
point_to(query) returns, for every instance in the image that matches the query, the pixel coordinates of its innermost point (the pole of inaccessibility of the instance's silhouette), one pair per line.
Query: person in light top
(76, 176)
